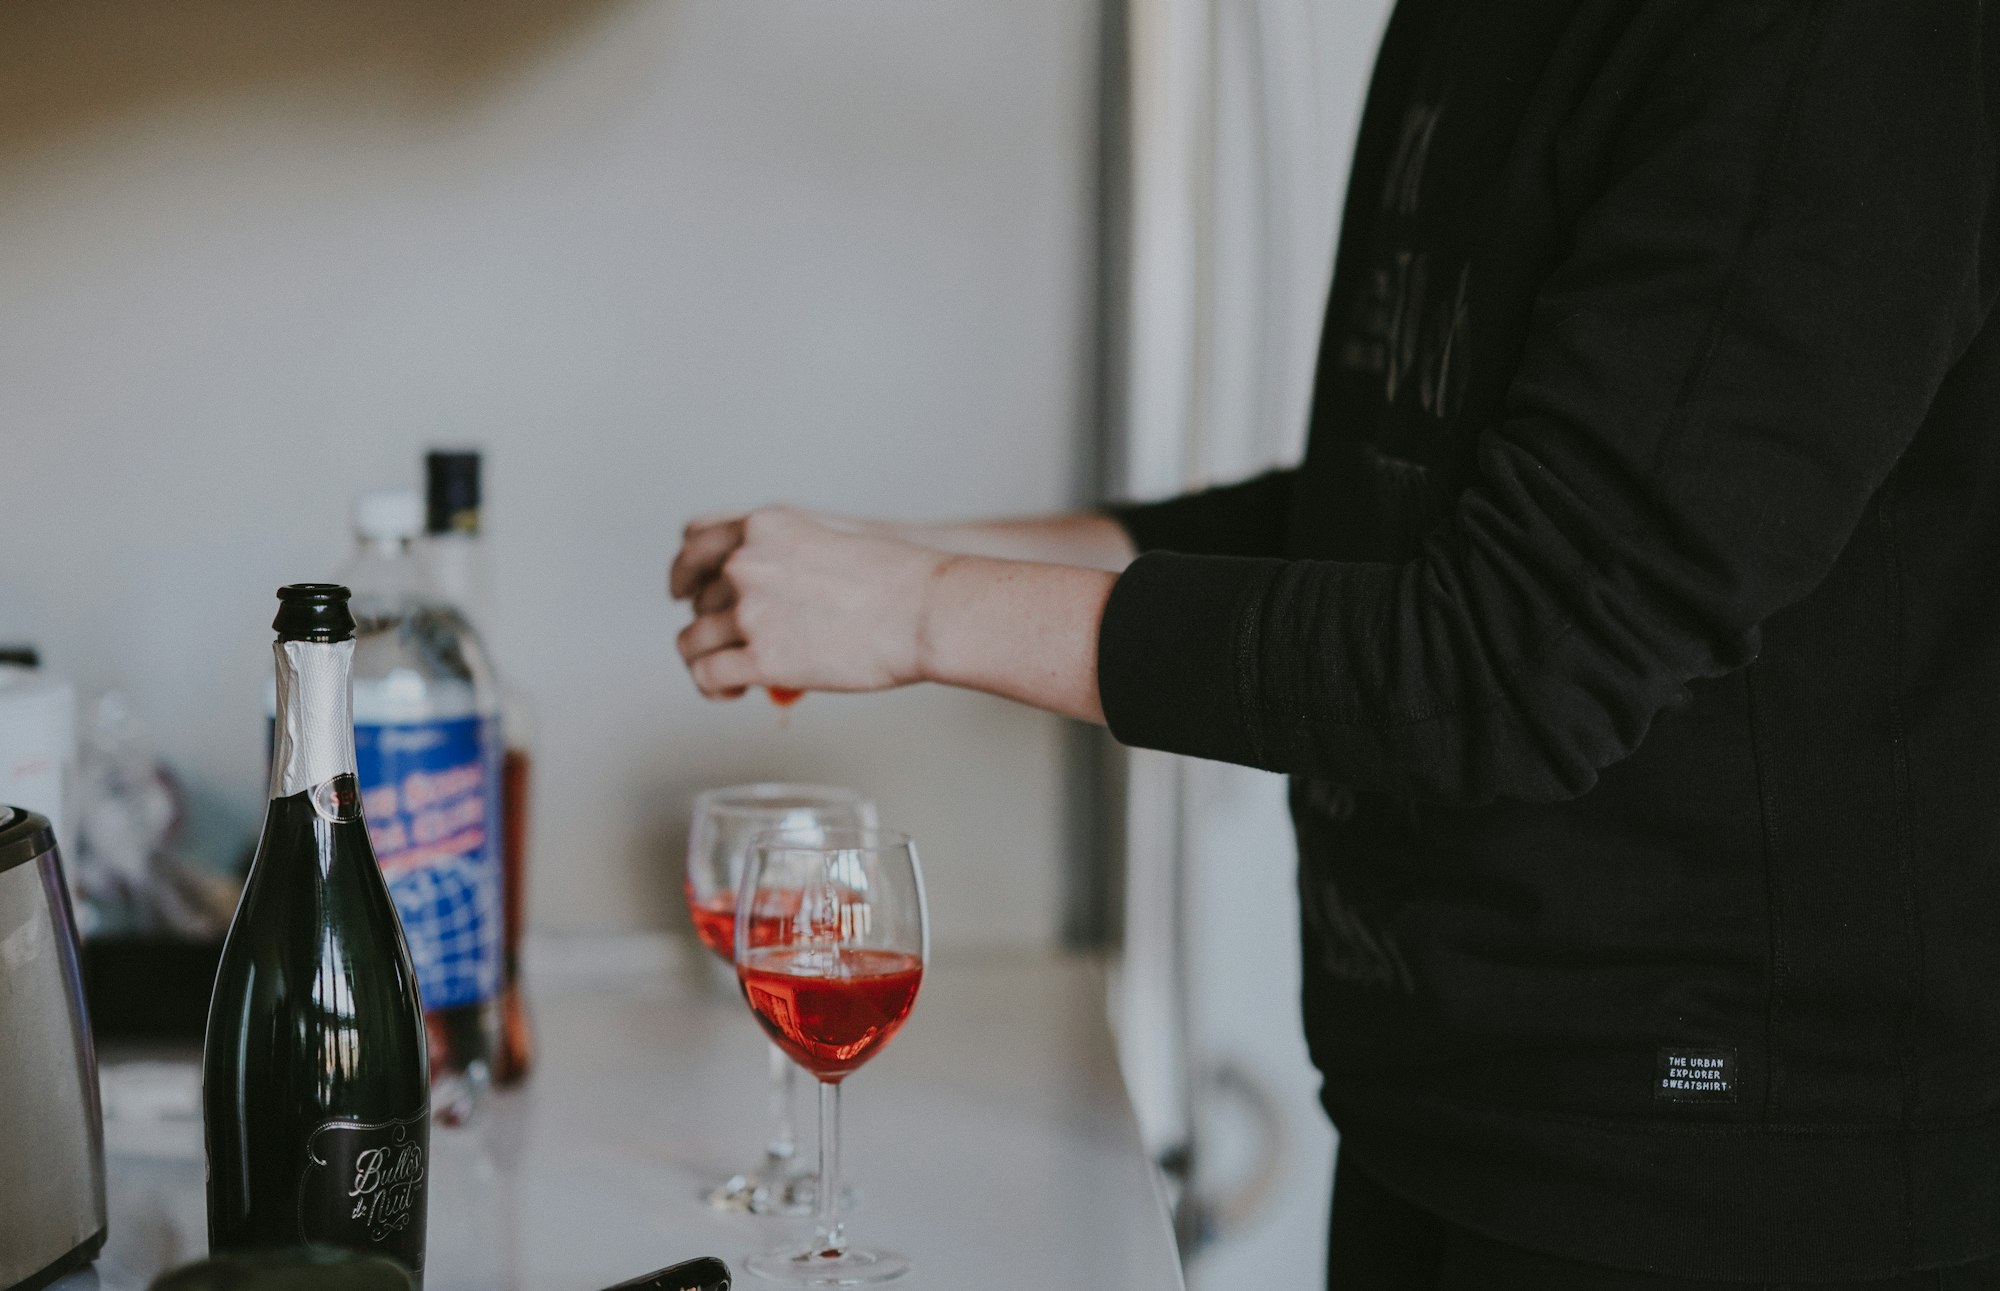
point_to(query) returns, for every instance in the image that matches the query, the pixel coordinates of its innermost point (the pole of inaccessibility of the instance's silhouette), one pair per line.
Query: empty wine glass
(831, 940)
(725, 820)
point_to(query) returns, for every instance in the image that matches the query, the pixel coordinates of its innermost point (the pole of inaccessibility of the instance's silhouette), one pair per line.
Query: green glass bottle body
(315, 1080)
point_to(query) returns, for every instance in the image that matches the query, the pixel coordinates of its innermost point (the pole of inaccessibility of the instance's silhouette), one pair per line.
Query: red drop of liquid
(784, 696)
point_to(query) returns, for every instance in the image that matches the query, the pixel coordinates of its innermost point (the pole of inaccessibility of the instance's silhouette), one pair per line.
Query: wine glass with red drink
(831, 940)
(725, 820)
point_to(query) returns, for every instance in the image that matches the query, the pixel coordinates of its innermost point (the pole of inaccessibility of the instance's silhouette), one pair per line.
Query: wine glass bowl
(830, 1011)
(832, 935)
(719, 834)
(724, 823)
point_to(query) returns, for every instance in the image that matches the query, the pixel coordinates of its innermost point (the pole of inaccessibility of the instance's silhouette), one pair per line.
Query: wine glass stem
(784, 1143)
(831, 1239)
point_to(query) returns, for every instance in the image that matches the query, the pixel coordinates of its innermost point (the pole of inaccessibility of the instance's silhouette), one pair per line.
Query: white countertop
(991, 1142)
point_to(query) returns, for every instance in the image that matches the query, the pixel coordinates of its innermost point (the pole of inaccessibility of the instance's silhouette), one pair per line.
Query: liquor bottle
(425, 730)
(456, 554)
(315, 1085)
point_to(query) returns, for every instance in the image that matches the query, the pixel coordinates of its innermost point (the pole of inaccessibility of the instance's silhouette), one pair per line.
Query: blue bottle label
(430, 792)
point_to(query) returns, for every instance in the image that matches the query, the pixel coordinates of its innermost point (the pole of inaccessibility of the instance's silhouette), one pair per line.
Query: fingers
(701, 556)
(716, 655)
(707, 634)
(723, 674)
(715, 596)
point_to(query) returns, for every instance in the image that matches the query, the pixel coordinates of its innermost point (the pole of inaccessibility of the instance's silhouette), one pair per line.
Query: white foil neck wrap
(315, 727)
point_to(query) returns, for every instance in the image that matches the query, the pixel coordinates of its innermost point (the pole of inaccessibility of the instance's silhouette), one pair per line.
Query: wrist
(934, 537)
(1017, 629)
(932, 610)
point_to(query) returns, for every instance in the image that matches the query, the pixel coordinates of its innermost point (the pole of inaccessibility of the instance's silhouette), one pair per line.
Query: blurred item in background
(133, 865)
(37, 737)
(150, 870)
(427, 741)
(456, 555)
(158, 872)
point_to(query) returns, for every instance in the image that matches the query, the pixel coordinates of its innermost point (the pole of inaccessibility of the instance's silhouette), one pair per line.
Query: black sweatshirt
(1631, 633)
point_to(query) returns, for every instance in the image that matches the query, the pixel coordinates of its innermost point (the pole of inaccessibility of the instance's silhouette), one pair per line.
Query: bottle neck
(457, 570)
(387, 579)
(314, 736)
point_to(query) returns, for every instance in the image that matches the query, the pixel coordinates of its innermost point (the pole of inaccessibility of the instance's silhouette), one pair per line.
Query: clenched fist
(786, 598)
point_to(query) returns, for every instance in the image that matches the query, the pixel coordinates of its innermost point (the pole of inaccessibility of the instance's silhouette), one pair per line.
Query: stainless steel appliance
(51, 1129)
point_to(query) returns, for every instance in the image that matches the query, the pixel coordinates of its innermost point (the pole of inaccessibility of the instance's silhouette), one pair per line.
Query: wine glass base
(814, 1268)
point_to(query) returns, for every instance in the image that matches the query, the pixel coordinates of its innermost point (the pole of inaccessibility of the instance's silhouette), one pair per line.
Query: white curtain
(1240, 124)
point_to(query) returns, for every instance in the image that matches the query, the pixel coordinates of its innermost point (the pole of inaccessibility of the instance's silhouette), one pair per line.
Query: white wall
(657, 256)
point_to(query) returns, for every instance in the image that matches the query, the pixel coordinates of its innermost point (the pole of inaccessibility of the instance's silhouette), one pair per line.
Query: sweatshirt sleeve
(1245, 519)
(1752, 317)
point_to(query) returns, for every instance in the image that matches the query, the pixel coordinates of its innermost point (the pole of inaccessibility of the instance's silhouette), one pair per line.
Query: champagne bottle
(315, 1086)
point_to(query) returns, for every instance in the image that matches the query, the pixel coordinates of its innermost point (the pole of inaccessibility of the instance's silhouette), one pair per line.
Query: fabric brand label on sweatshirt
(1696, 1076)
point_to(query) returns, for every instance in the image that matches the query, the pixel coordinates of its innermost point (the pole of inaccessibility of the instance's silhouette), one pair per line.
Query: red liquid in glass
(715, 920)
(830, 1010)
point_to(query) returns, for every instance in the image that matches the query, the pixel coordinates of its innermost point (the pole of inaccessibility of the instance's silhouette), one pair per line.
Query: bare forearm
(1081, 538)
(1024, 631)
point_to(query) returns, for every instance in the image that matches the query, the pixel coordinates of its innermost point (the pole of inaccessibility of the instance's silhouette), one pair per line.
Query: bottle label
(430, 794)
(309, 728)
(336, 801)
(364, 1187)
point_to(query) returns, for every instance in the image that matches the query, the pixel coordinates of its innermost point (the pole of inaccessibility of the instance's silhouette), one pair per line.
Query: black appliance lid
(24, 837)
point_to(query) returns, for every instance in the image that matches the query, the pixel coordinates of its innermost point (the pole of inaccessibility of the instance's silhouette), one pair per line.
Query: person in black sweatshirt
(1630, 634)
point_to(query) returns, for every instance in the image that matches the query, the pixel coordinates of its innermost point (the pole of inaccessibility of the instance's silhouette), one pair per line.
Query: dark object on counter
(294, 1270)
(51, 1132)
(20, 656)
(315, 1080)
(704, 1274)
(149, 988)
